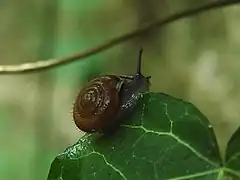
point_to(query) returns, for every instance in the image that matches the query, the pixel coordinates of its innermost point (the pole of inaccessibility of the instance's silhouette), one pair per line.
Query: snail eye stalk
(139, 64)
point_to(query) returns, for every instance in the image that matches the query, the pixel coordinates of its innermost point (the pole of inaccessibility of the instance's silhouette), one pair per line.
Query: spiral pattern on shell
(97, 104)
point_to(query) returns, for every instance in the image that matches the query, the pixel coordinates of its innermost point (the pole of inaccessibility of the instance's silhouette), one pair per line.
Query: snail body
(105, 100)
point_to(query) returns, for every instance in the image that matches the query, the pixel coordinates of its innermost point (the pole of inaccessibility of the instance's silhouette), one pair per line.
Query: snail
(104, 101)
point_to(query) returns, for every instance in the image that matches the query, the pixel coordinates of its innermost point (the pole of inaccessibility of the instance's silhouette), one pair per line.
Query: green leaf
(165, 138)
(233, 156)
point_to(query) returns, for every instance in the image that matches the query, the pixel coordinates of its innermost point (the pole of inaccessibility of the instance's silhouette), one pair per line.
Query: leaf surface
(232, 159)
(165, 138)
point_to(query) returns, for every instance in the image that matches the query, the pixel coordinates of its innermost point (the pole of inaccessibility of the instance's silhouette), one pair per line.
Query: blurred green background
(196, 59)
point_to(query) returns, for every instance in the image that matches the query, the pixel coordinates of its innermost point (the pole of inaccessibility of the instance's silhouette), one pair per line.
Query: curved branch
(50, 63)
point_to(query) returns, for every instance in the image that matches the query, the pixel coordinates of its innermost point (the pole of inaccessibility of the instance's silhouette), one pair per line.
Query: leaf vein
(235, 156)
(110, 165)
(196, 175)
(176, 138)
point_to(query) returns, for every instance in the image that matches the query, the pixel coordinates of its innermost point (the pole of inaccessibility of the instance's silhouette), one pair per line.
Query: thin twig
(50, 63)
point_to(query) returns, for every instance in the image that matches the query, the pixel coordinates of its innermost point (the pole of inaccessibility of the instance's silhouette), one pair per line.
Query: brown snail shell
(104, 101)
(97, 103)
